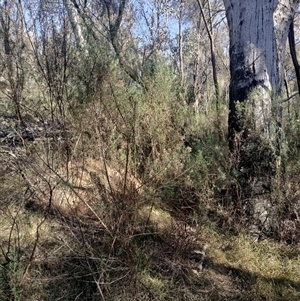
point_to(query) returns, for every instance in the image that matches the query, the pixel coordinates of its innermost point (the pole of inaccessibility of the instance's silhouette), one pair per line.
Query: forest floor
(59, 244)
(103, 209)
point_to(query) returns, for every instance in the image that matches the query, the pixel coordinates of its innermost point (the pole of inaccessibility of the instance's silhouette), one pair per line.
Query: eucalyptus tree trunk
(258, 34)
(115, 12)
(180, 42)
(209, 29)
(76, 22)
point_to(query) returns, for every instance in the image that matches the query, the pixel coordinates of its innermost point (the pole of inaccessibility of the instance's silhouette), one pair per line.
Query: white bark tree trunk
(76, 23)
(258, 33)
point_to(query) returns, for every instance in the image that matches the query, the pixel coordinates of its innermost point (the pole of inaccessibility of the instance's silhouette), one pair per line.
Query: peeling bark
(258, 34)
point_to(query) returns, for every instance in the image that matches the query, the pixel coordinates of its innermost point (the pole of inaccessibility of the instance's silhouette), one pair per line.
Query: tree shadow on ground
(253, 286)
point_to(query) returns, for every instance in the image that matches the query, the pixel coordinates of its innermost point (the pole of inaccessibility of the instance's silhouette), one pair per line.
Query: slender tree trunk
(13, 53)
(292, 45)
(180, 42)
(76, 22)
(209, 29)
(115, 15)
(258, 34)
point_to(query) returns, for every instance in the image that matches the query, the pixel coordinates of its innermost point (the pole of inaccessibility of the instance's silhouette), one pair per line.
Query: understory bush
(119, 191)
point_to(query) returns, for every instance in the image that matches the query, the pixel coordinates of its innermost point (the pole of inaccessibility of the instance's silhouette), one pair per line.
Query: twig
(34, 247)
(290, 97)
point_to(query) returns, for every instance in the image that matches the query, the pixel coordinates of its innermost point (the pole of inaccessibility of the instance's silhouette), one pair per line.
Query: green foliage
(132, 181)
(11, 275)
(292, 130)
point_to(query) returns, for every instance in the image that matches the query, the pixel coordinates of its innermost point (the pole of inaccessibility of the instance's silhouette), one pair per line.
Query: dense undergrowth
(130, 197)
